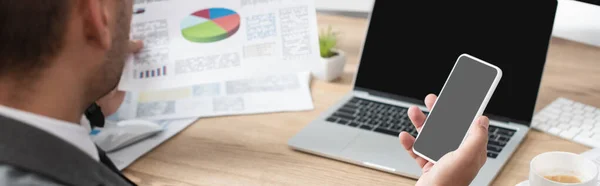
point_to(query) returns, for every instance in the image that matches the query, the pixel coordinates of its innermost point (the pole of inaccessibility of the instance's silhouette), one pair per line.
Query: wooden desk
(252, 149)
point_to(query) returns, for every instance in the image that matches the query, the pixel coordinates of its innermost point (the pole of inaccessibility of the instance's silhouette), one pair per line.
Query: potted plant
(333, 59)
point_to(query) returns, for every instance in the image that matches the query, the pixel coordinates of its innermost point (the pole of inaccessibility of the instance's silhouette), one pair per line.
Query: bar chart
(151, 73)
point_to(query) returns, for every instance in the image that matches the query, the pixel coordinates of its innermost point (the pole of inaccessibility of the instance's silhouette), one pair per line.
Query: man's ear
(96, 16)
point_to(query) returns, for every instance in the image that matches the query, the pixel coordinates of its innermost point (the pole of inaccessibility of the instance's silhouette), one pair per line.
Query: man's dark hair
(31, 33)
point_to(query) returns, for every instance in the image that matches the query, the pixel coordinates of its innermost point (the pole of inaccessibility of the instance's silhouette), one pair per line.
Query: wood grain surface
(252, 149)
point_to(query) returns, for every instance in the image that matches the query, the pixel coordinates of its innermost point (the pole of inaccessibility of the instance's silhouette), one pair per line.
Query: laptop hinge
(361, 93)
(500, 119)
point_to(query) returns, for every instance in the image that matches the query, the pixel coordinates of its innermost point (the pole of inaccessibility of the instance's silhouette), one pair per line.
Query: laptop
(409, 51)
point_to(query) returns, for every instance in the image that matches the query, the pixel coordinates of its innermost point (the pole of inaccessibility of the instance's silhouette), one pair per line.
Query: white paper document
(127, 155)
(191, 42)
(260, 94)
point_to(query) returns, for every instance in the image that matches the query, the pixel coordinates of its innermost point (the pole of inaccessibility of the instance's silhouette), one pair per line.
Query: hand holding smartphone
(463, 99)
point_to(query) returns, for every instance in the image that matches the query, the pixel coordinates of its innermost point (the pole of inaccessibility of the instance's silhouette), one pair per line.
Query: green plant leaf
(327, 42)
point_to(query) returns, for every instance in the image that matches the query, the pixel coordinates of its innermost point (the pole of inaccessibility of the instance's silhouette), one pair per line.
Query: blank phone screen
(456, 107)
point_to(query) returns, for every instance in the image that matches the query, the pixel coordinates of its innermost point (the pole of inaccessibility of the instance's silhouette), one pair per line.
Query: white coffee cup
(562, 163)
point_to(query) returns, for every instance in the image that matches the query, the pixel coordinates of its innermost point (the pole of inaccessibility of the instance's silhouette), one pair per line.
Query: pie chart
(210, 25)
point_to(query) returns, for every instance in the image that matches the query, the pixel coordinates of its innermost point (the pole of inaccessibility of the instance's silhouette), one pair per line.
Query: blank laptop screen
(411, 47)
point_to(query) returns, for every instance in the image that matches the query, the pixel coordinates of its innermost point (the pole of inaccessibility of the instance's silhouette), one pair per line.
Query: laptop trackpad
(382, 151)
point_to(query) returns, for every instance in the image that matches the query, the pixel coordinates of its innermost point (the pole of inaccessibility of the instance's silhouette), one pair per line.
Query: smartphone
(463, 99)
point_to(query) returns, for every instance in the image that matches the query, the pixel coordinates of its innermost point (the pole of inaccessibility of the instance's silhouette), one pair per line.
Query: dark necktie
(106, 161)
(96, 118)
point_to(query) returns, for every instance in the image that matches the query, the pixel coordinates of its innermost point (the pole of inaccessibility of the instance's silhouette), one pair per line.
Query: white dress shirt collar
(73, 133)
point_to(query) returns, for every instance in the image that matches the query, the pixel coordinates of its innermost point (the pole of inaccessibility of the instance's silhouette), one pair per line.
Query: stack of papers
(124, 157)
(191, 42)
(216, 58)
(261, 94)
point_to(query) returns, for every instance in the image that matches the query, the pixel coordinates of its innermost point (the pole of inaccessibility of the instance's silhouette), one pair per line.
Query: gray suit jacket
(30, 156)
(10, 175)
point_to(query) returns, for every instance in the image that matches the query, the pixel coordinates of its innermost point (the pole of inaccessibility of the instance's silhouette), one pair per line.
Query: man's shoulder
(39, 152)
(10, 175)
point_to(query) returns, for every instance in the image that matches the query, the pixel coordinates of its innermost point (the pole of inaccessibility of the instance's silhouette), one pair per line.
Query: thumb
(477, 137)
(135, 46)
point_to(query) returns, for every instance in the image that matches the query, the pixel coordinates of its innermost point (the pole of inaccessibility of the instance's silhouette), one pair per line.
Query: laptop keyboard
(391, 120)
(497, 139)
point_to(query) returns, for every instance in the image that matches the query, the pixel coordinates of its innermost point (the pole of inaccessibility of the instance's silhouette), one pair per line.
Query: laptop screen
(411, 47)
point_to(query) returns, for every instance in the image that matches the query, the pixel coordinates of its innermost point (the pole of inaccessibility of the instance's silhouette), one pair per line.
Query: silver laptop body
(383, 151)
(337, 134)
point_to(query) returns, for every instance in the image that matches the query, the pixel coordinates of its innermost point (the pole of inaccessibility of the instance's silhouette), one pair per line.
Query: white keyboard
(570, 120)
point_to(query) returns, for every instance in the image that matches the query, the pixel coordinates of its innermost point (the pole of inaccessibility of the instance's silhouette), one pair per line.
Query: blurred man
(58, 57)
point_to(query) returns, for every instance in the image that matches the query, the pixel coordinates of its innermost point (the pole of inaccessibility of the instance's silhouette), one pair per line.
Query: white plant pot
(331, 68)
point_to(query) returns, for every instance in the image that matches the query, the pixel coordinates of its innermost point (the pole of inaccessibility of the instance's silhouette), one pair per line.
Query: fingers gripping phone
(463, 99)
